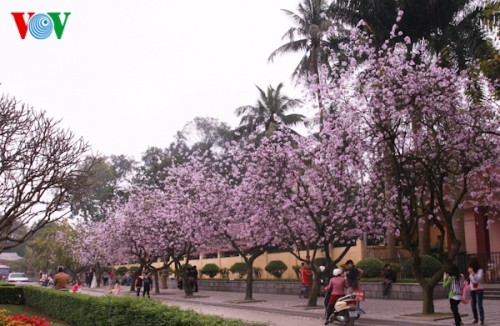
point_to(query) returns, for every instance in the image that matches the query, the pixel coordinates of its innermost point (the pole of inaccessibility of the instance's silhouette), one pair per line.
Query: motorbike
(346, 310)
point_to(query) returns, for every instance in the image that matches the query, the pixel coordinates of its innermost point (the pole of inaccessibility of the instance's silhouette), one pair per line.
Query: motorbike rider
(337, 285)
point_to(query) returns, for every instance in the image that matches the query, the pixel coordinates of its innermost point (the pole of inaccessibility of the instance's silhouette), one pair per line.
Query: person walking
(146, 283)
(304, 281)
(105, 278)
(88, 278)
(138, 283)
(337, 287)
(389, 278)
(476, 278)
(454, 283)
(191, 275)
(195, 275)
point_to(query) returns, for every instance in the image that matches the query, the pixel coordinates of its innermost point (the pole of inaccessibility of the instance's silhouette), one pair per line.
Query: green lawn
(21, 309)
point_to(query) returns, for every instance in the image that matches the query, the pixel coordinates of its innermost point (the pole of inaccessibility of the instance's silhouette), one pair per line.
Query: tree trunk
(424, 237)
(313, 294)
(157, 281)
(249, 281)
(391, 246)
(458, 223)
(428, 300)
(188, 291)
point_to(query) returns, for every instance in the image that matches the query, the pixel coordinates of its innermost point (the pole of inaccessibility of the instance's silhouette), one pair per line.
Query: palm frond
(291, 47)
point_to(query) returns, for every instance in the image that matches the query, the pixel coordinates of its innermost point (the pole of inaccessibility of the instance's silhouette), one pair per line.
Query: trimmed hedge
(372, 267)
(86, 310)
(239, 268)
(6, 284)
(210, 269)
(276, 268)
(429, 266)
(11, 294)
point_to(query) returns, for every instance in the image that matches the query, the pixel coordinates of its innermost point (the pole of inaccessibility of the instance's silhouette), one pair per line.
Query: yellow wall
(354, 253)
(289, 259)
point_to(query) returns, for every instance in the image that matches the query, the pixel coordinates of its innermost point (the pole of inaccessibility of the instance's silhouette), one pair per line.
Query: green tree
(152, 169)
(270, 112)
(197, 136)
(52, 247)
(206, 134)
(455, 29)
(104, 183)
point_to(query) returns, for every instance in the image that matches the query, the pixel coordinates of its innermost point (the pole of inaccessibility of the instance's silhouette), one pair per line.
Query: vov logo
(40, 25)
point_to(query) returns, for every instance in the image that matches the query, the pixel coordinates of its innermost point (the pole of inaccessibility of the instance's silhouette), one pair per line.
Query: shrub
(257, 272)
(11, 295)
(121, 270)
(429, 266)
(224, 272)
(240, 269)
(372, 267)
(210, 269)
(85, 310)
(134, 269)
(186, 267)
(276, 268)
(296, 269)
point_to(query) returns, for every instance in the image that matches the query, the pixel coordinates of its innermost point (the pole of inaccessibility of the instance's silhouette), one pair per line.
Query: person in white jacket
(476, 278)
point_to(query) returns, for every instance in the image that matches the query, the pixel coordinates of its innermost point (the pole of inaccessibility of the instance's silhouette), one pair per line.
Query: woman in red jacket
(337, 286)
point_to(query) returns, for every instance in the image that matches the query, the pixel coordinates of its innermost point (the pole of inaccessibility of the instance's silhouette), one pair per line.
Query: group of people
(91, 278)
(46, 279)
(192, 278)
(457, 283)
(351, 273)
(143, 281)
(343, 282)
(60, 281)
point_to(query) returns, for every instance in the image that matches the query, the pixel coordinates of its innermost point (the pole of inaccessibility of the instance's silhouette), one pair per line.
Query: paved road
(289, 310)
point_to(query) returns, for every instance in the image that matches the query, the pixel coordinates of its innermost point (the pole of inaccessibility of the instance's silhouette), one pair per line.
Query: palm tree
(453, 28)
(308, 35)
(269, 113)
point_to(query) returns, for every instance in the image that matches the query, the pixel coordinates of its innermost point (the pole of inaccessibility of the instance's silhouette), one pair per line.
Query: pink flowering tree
(210, 189)
(425, 136)
(312, 188)
(132, 231)
(91, 247)
(146, 228)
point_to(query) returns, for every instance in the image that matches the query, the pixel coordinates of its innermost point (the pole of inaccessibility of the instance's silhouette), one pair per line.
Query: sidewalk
(290, 310)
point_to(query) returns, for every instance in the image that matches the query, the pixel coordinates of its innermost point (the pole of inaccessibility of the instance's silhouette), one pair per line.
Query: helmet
(337, 272)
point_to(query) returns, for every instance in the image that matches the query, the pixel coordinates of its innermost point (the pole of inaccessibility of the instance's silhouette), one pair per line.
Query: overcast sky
(126, 75)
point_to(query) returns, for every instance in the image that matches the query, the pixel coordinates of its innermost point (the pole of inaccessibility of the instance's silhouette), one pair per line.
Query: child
(453, 281)
(76, 287)
(116, 289)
